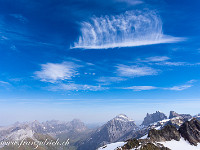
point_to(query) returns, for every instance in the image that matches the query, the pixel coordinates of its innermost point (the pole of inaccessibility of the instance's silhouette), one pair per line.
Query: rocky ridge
(189, 130)
(110, 132)
(151, 118)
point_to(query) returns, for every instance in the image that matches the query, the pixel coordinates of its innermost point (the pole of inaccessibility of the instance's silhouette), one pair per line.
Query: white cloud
(192, 81)
(167, 63)
(4, 83)
(133, 28)
(141, 88)
(155, 59)
(164, 61)
(174, 88)
(135, 71)
(108, 80)
(52, 72)
(76, 87)
(179, 88)
(131, 2)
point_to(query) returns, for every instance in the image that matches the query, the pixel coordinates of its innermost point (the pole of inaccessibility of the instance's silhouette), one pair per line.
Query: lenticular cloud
(133, 28)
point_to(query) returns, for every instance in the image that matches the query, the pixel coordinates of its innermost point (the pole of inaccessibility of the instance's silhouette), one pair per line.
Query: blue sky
(91, 59)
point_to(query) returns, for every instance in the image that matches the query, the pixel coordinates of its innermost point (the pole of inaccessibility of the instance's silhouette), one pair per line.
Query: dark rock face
(173, 114)
(185, 117)
(111, 132)
(133, 143)
(151, 118)
(190, 131)
(134, 134)
(167, 133)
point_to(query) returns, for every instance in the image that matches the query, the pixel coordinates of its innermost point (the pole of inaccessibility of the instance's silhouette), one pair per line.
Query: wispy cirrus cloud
(179, 88)
(141, 88)
(109, 80)
(174, 63)
(53, 72)
(168, 63)
(185, 86)
(5, 85)
(131, 2)
(135, 71)
(132, 28)
(76, 87)
(154, 59)
(164, 61)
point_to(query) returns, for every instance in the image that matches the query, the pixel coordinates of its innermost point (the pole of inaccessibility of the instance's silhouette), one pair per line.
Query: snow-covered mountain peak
(123, 117)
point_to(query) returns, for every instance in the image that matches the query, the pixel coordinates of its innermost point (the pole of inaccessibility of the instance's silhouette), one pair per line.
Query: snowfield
(112, 146)
(173, 145)
(180, 145)
(144, 137)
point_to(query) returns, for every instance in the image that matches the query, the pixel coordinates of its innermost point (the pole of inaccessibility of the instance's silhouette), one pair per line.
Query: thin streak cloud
(141, 88)
(179, 88)
(174, 88)
(132, 28)
(135, 71)
(76, 87)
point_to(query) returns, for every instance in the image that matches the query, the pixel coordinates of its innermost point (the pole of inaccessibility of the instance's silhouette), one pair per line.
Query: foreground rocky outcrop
(167, 133)
(190, 131)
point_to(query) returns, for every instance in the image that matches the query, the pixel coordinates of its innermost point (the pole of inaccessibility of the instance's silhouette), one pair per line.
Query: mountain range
(120, 131)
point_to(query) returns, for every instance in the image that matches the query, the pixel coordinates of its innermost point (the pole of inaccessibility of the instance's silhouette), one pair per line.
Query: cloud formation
(164, 61)
(131, 2)
(135, 71)
(141, 88)
(52, 72)
(4, 83)
(76, 87)
(179, 88)
(132, 28)
(154, 59)
(185, 86)
(109, 80)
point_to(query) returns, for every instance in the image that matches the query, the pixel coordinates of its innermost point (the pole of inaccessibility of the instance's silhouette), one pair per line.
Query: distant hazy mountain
(73, 130)
(151, 118)
(184, 116)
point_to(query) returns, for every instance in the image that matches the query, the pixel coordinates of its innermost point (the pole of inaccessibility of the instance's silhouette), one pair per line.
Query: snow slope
(112, 146)
(180, 145)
